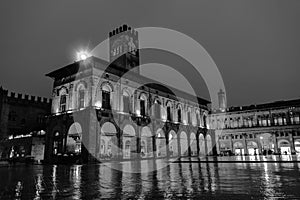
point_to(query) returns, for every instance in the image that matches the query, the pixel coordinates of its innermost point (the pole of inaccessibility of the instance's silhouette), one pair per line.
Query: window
(12, 116)
(142, 107)
(40, 119)
(189, 117)
(157, 109)
(204, 120)
(296, 119)
(280, 121)
(179, 115)
(81, 99)
(63, 103)
(106, 100)
(197, 120)
(275, 121)
(126, 104)
(169, 118)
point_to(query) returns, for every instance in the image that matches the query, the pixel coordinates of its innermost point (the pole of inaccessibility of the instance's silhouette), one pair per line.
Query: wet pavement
(230, 178)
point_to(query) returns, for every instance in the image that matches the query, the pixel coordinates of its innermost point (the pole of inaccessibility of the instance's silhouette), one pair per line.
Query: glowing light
(82, 55)
(98, 104)
(138, 112)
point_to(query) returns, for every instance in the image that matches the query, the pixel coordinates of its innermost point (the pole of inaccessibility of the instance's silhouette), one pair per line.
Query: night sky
(255, 44)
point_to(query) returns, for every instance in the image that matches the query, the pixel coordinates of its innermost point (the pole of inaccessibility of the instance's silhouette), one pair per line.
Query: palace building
(270, 128)
(22, 124)
(105, 111)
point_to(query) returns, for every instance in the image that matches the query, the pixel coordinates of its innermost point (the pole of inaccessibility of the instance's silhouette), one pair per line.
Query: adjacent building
(22, 117)
(269, 128)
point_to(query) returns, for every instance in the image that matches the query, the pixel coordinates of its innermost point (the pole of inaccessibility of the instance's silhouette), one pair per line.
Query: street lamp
(82, 55)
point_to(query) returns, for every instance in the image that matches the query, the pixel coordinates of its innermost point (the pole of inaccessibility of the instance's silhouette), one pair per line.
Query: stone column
(245, 143)
(231, 142)
(291, 139)
(274, 138)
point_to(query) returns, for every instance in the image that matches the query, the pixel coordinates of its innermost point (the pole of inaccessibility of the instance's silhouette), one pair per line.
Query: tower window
(81, 98)
(63, 103)
(106, 100)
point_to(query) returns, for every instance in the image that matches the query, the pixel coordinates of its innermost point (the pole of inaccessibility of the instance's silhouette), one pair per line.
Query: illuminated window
(63, 103)
(81, 99)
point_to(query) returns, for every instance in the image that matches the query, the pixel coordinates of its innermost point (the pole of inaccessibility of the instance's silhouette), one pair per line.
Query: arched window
(81, 98)
(63, 103)
(63, 100)
(189, 119)
(126, 102)
(169, 111)
(157, 113)
(106, 91)
(179, 114)
(143, 104)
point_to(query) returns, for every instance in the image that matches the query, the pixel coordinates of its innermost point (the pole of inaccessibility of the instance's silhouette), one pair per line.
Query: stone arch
(284, 146)
(239, 148)
(297, 145)
(202, 150)
(184, 143)
(126, 100)
(129, 141)
(74, 138)
(173, 143)
(107, 86)
(209, 144)
(161, 144)
(266, 142)
(252, 148)
(146, 142)
(193, 144)
(57, 144)
(108, 141)
(81, 82)
(63, 90)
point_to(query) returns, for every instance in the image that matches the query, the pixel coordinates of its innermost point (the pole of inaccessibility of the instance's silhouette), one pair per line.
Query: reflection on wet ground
(191, 179)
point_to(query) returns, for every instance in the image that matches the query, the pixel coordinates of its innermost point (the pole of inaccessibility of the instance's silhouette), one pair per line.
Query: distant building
(258, 129)
(100, 113)
(21, 116)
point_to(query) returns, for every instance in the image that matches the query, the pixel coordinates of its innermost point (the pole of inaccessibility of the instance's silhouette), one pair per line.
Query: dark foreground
(185, 180)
